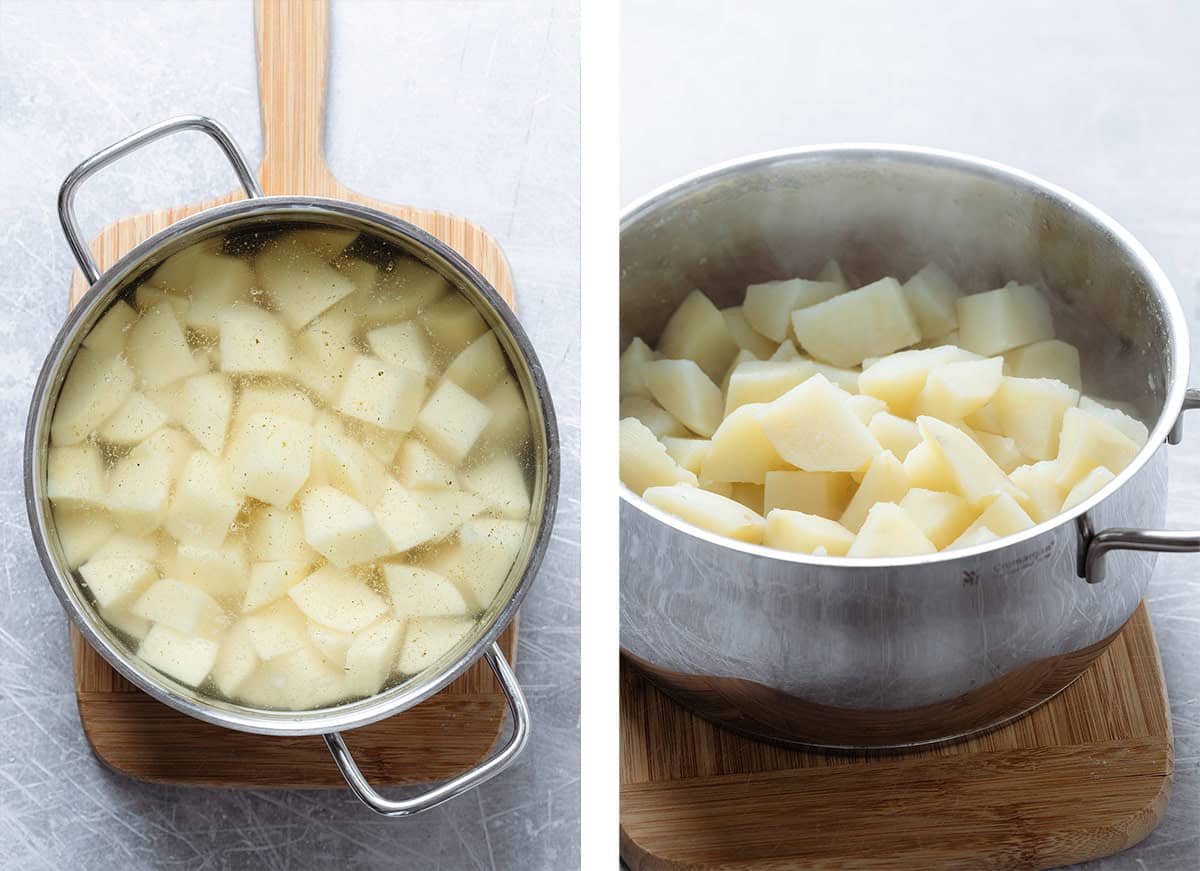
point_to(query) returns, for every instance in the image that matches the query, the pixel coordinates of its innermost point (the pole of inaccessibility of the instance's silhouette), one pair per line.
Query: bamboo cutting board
(136, 735)
(1086, 775)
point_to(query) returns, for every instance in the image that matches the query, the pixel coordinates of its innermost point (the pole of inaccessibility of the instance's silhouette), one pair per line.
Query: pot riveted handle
(1159, 540)
(431, 798)
(66, 194)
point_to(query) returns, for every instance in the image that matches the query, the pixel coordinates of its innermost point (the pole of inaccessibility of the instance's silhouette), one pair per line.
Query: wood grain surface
(1085, 775)
(136, 735)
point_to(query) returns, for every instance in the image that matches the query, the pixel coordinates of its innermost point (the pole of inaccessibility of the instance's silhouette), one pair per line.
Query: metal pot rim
(912, 154)
(324, 720)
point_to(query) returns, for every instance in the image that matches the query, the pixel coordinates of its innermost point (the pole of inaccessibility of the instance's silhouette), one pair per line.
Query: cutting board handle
(293, 59)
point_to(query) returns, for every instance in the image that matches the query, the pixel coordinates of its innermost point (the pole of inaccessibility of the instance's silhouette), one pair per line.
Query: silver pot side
(854, 654)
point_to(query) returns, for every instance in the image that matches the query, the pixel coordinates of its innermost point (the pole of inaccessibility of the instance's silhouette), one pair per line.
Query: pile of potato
(889, 420)
(290, 475)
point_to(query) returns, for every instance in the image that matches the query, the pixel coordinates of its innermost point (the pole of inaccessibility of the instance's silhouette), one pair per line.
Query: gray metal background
(1100, 97)
(470, 107)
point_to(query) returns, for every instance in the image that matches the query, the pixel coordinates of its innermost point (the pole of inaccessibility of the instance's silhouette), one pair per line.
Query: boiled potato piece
(954, 390)
(381, 394)
(743, 356)
(885, 481)
(974, 475)
(297, 680)
(1051, 358)
(1000, 320)
(404, 345)
(108, 334)
(740, 449)
(942, 517)
(479, 366)
(697, 332)
(277, 629)
(866, 407)
(889, 531)
(75, 477)
(652, 416)
(933, 296)
(868, 322)
(299, 282)
(1031, 413)
(157, 348)
(120, 619)
(832, 271)
(805, 533)
(927, 469)
(708, 511)
(1088, 442)
(1039, 482)
(1001, 449)
(750, 495)
(343, 463)
(81, 532)
(510, 422)
(372, 654)
(895, 434)
(139, 487)
(825, 494)
(270, 457)
(745, 336)
(133, 422)
(899, 378)
(184, 657)
(278, 534)
(1003, 517)
(644, 460)
(786, 351)
(1130, 427)
(253, 342)
(115, 579)
(420, 592)
(973, 536)
(338, 600)
(236, 660)
(428, 639)
(327, 243)
(421, 468)
(765, 381)
(768, 307)
(411, 518)
(342, 529)
(1089, 485)
(688, 395)
(205, 409)
(183, 607)
(97, 385)
(500, 483)
(217, 283)
(329, 340)
(283, 401)
(986, 419)
(633, 358)
(452, 420)
(841, 444)
(219, 571)
(453, 323)
(401, 290)
(270, 582)
(687, 452)
(203, 505)
(330, 643)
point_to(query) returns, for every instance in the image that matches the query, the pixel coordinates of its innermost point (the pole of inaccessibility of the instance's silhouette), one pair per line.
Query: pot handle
(66, 194)
(486, 770)
(1159, 540)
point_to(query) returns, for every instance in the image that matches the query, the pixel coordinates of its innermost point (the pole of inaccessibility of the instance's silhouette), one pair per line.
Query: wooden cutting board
(136, 735)
(1085, 775)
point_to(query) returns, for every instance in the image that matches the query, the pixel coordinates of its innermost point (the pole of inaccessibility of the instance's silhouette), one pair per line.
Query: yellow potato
(1050, 358)
(765, 381)
(750, 495)
(973, 536)
(898, 378)
(632, 359)
(1001, 449)
(841, 443)
(768, 307)
(1039, 482)
(885, 481)
(805, 533)
(708, 511)
(895, 434)
(653, 416)
(687, 452)
(746, 337)
(1000, 320)
(932, 295)
(825, 494)
(1031, 413)
(926, 468)
(688, 395)
(1089, 485)
(740, 450)
(868, 322)
(645, 462)
(1003, 517)
(832, 272)
(954, 390)
(974, 474)
(1132, 428)
(697, 332)
(866, 407)
(889, 531)
(1088, 442)
(942, 517)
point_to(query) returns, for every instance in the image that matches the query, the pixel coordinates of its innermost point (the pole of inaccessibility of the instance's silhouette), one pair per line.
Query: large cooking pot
(260, 210)
(897, 652)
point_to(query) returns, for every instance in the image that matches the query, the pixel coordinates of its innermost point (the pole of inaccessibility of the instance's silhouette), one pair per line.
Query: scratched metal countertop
(469, 107)
(1099, 97)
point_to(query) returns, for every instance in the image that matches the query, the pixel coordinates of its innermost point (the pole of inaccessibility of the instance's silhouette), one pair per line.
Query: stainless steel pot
(892, 653)
(260, 210)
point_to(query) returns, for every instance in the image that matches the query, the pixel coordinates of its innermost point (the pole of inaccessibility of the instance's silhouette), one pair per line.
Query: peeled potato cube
(270, 582)
(804, 533)
(768, 307)
(381, 394)
(338, 600)
(927, 469)
(889, 531)
(421, 468)
(1000, 320)
(186, 658)
(327, 243)
(287, 402)
(120, 619)
(636, 355)
(483, 558)
(116, 579)
(708, 511)
(745, 336)
(1131, 428)
(405, 345)
(278, 534)
(371, 655)
(1089, 485)
(329, 340)
(81, 532)
(866, 407)
(453, 323)
(832, 271)
(330, 643)
(123, 546)
(135, 420)
(933, 297)
(1088, 442)
(942, 517)
(139, 488)
(218, 282)
(183, 607)
(343, 463)
(75, 477)
(236, 660)
(96, 386)
(868, 322)
(342, 529)
(645, 462)
(411, 518)
(697, 332)
(689, 453)
(786, 351)
(973, 536)
(841, 443)
(750, 495)
(682, 388)
(427, 639)
(825, 494)
(147, 296)
(319, 381)
(885, 481)
(653, 416)
(277, 629)
(203, 505)
(452, 421)
(157, 348)
(765, 381)
(985, 419)
(253, 341)
(973, 474)
(509, 423)
(298, 680)
(270, 457)
(1051, 358)
(501, 484)
(1039, 482)
(898, 378)
(479, 366)
(740, 449)
(1031, 413)
(895, 434)
(108, 334)
(205, 408)
(420, 592)
(300, 283)
(399, 291)
(219, 571)
(954, 390)
(1001, 449)
(383, 444)
(1004, 516)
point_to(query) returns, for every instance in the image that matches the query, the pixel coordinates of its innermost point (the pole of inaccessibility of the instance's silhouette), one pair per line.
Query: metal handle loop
(486, 770)
(1157, 540)
(66, 194)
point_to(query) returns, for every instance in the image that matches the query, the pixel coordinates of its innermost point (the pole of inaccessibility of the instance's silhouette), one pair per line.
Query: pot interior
(243, 229)
(882, 211)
